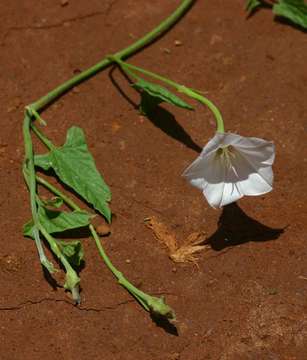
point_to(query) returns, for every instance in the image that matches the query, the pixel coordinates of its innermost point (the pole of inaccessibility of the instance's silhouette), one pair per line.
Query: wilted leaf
(161, 93)
(294, 10)
(181, 254)
(55, 202)
(73, 251)
(55, 221)
(75, 166)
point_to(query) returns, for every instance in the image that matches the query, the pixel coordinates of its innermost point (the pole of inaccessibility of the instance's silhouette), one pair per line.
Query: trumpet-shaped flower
(231, 166)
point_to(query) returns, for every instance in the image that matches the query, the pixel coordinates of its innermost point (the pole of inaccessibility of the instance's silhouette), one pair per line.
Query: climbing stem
(216, 112)
(31, 182)
(125, 53)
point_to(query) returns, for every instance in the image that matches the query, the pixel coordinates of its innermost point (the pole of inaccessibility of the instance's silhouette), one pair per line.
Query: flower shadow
(235, 228)
(159, 117)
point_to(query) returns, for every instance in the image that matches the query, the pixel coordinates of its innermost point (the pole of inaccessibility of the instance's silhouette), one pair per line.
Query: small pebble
(103, 229)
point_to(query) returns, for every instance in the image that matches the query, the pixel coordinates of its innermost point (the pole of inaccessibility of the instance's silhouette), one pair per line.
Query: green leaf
(58, 221)
(43, 161)
(28, 229)
(294, 10)
(75, 166)
(161, 93)
(252, 5)
(73, 251)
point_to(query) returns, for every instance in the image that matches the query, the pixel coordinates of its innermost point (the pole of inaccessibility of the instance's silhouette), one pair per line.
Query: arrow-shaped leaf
(75, 166)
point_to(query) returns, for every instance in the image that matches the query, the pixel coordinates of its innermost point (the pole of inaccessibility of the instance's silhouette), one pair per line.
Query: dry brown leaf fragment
(187, 253)
(162, 233)
(193, 244)
(196, 238)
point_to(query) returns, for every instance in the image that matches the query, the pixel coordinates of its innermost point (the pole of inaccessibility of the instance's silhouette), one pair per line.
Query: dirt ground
(247, 299)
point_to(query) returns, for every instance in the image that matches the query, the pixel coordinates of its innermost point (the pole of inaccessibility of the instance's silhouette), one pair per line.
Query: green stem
(57, 192)
(130, 50)
(140, 295)
(72, 279)
(121, 279)
(31, 182)
(43, 138)
(126, 66)
(216, 112)
(149, 302)
(180, 88)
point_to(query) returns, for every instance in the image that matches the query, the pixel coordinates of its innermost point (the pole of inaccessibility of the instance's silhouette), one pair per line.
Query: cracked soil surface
(247, 299)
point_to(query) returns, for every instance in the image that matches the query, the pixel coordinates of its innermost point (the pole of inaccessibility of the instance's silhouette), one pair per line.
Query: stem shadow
(165, 324)
(50, 280)
(235, 228)
(118, 88)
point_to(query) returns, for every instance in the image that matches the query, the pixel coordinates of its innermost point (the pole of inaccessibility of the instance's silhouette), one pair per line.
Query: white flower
(231, 166)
